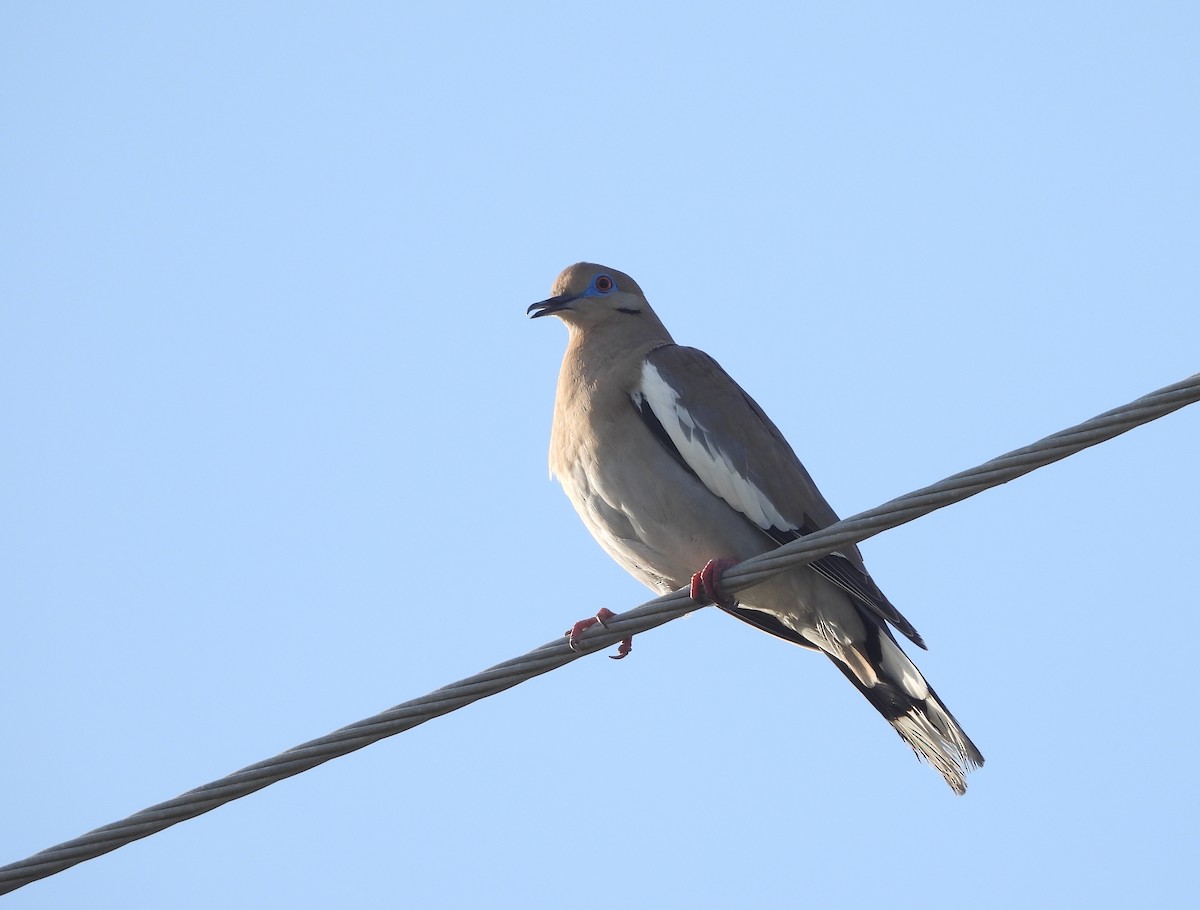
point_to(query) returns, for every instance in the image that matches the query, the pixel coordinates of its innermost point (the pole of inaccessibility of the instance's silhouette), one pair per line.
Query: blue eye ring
(603, 284)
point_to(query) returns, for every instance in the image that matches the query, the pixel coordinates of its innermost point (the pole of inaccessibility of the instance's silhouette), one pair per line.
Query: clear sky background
(274, 437)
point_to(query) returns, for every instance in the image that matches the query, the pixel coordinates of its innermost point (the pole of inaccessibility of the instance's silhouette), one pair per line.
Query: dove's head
(594, 298)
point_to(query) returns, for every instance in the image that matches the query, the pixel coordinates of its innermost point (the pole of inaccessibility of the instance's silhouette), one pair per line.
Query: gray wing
(721, 435)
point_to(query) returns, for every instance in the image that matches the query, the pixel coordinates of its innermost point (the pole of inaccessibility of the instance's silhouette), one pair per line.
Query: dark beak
(552, 305)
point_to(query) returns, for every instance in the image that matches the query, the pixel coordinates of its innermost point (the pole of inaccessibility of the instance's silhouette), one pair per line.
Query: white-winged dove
(678, 473)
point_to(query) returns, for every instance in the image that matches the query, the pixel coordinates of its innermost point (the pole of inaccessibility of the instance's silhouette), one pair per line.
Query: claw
(706, 584)
(573, 634)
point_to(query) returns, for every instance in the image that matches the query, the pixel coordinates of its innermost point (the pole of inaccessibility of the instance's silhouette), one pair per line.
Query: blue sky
(275, 431)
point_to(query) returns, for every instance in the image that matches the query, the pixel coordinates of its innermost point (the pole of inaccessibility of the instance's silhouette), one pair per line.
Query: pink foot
(584, 624)
(706, 584)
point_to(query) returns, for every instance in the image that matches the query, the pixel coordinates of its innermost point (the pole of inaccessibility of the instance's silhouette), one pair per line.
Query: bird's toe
(706, 584)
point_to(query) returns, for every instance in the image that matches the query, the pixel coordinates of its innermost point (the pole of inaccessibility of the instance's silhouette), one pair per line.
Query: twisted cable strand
(556, 653)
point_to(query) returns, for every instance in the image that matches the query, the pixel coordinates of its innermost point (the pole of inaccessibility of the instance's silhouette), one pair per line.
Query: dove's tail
(893, 684)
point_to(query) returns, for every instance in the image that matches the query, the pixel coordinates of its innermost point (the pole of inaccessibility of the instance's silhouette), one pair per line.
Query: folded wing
(721, 435)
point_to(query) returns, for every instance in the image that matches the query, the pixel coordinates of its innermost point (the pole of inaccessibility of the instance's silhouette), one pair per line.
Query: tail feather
(899, 692)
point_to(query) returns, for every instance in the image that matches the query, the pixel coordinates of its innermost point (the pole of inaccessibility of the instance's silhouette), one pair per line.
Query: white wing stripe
(710, 462)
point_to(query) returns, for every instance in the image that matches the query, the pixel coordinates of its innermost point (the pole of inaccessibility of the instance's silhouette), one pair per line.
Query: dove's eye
(603, 284)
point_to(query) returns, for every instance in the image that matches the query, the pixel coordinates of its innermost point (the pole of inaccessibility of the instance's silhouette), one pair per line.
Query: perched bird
(678, 474)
